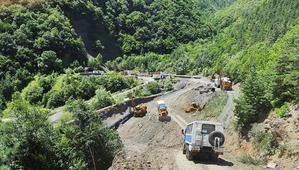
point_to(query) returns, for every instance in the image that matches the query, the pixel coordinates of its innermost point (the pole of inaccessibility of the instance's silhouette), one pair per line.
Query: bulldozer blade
(164, 118)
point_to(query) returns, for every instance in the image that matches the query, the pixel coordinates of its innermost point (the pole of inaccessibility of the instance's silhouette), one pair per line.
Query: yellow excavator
(194, 107)
(163, 113)
(139, 110)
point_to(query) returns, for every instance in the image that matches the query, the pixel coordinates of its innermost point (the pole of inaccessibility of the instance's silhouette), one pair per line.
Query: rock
(267, 126)
(271, 165)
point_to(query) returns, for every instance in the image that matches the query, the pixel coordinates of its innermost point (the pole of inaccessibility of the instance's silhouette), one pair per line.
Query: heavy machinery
(163, 113)
(194, 107)
(140, 111)
(226, 84)
(223, 83)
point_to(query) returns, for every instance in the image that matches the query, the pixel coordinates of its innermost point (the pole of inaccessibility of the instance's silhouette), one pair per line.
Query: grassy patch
(216, 104)
(249, 160)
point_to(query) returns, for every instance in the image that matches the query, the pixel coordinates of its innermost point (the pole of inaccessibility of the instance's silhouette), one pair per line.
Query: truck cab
(203, 138)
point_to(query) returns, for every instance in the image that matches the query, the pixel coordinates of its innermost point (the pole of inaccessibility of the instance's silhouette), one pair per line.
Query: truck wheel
(189, 155)
(184, 148)
(215, 134)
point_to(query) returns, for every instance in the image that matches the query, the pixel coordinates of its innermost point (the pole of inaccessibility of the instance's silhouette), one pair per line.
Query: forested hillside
(43, 44)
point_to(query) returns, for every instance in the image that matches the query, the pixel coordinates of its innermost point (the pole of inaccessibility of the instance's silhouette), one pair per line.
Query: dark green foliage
(35, 38)
(53, 91)
(156, 26)
(252, 102)
(87, 143)
(25, 142)
(30, 142)
(285, 86)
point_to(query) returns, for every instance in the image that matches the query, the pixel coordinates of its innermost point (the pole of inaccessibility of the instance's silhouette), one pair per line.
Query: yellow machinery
(140, 111)
(162, 109)
(194, 107)
(226, 84)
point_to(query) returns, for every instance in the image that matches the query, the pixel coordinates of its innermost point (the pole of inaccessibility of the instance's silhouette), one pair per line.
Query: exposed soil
(150, 144)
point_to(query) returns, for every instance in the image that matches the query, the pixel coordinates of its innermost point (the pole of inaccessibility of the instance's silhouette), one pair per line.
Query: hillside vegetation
(43, 44)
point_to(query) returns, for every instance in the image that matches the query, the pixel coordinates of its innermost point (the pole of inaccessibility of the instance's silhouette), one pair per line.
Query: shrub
(263, 140)
(168, 84)
(247, 159)
(102, 99)
(283, 110)
(153, 87)
(87, 143)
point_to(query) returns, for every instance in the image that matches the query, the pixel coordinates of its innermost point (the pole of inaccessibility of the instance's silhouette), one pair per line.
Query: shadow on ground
(219, 162)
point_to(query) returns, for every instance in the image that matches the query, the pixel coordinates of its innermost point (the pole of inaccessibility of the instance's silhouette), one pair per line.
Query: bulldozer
(140, 111)
(163, 113)
(194, 107)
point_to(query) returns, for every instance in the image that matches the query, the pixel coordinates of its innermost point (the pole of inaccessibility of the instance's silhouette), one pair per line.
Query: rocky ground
(150, 144)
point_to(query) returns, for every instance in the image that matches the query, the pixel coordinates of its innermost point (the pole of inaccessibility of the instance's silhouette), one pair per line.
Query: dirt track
(150, 144)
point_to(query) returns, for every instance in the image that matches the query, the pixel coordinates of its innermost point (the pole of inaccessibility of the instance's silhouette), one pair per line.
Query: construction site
(151, 130)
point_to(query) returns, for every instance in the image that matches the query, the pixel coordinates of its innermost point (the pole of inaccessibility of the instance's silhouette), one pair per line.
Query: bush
(153, 87)
(263, 140)
(145, 93)
(87, 143)
(33, 93)
(168, 84)
(54, 99)
(247, 159)
(101, 99)
(283, 110)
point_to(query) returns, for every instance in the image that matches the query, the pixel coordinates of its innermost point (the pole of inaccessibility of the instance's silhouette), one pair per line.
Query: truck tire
(184, 148)
(215, 134)
(189, 155)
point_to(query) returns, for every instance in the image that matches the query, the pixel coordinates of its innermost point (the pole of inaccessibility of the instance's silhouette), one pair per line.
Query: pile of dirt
(120, 162)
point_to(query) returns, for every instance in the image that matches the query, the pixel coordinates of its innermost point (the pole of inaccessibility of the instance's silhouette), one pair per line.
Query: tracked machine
(163, 113)
(140, 111)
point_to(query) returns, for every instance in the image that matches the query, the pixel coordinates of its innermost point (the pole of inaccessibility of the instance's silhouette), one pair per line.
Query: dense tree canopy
(43, 44)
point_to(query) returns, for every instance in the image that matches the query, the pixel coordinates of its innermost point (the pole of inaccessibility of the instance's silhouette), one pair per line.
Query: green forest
(44, 44)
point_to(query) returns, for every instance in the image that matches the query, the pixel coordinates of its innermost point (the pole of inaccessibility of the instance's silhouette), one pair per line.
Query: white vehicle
(203, 138)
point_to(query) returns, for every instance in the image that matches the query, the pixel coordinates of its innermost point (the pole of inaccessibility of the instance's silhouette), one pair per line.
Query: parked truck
(203, 138)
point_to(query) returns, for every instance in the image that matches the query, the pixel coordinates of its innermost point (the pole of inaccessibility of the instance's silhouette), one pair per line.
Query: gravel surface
(150, 144)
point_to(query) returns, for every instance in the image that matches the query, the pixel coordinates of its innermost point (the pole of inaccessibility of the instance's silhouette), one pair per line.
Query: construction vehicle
(140, 111)
(223, 83)
(194, 107)
(226, 84)
(163, 113)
